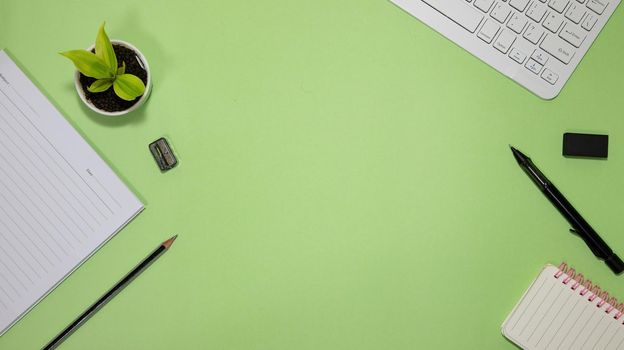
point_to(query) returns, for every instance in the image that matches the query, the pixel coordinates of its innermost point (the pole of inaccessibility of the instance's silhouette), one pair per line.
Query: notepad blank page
(59, 201)
(551, 315)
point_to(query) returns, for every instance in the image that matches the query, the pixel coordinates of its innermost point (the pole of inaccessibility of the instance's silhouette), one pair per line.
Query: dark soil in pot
(108, 100)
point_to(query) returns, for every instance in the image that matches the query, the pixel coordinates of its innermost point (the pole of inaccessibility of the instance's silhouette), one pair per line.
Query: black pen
(579, 225)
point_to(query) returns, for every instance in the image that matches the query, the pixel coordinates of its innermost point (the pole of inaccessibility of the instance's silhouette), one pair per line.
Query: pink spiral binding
(595, 292)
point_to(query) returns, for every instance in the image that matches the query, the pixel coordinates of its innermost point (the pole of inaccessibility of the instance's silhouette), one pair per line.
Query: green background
(345, 180)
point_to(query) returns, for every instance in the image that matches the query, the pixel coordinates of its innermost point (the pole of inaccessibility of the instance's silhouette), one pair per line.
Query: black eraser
(585, 145)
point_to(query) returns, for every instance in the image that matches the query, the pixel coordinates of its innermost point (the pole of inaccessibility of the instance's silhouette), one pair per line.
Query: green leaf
(104, 50)
(89, 64)
(100, 85)
(122, 70)
(128, 87)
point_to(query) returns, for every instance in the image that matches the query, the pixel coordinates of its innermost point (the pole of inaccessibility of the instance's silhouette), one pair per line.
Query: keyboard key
(575, 12)
(488, 31)
(536, 11)
(517, 23)
(558, 48)
(573, 34)
(597, 6)
(500, 12)
(459, 13)
(519, 5)
(589, 21)
(553, 22)
(533, 66)
(504, 41)
(534, 33)
(517, 55)
(558, 5)
(550, 76)
(540, 56)
(483, 5)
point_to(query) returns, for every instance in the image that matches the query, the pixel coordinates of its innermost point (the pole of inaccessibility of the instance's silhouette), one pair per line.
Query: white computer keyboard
(537, 43)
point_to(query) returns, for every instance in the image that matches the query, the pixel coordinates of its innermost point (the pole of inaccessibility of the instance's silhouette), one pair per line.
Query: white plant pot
(142, 99)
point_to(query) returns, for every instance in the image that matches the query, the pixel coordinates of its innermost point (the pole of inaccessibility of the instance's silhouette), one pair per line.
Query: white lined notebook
(59, 201)
(563, 310)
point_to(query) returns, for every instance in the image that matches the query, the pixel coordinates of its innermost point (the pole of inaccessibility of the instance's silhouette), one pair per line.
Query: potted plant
(112, 77)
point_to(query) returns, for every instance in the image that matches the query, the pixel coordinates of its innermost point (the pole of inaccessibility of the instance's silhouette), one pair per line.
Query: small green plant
(103, 66)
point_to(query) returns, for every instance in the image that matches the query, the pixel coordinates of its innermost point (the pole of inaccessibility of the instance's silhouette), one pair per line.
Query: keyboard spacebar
(458, 12)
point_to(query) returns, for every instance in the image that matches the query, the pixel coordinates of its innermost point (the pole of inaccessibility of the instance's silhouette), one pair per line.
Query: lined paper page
(551, 315)
(59, 201)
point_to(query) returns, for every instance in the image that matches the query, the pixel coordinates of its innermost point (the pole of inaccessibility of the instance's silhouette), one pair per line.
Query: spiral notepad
(564, 310)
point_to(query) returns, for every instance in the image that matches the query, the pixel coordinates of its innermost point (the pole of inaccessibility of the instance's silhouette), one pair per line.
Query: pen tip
(169, 242)
(520, 157)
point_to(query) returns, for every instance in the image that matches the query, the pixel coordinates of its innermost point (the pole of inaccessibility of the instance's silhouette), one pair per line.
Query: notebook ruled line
(573, 325)
(530, 302)
(105, 191)
(563, 313)
(51, 145)
(41, 212)
(562, 323)
(92, 190)
(583, 329)
(12, 277)
(6, 294)
(553, 319)
(8, 283)
(27, 261)
(59, 201)
(55, 188)
(34, 218)
(49, 208)
(43, 188)
(17, 266)
(44, 163)
(22, 219)
(45, 148)
(61, 155)
(593, 331)
(620, 344)
(534, 313)
(12, 273)
(612, 337)
(3, 304)
(45, 191)
(604, 331)
(544, 316)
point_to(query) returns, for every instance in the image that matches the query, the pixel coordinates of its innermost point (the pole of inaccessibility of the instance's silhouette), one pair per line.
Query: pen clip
(596, 252)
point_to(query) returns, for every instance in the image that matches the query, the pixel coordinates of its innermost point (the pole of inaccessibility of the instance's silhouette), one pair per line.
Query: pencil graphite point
(169, 242)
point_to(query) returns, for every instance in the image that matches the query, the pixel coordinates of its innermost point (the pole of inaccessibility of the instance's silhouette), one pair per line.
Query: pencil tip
(169, 242)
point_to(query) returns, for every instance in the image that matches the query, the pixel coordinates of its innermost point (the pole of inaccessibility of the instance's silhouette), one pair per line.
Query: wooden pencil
(80, 320)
